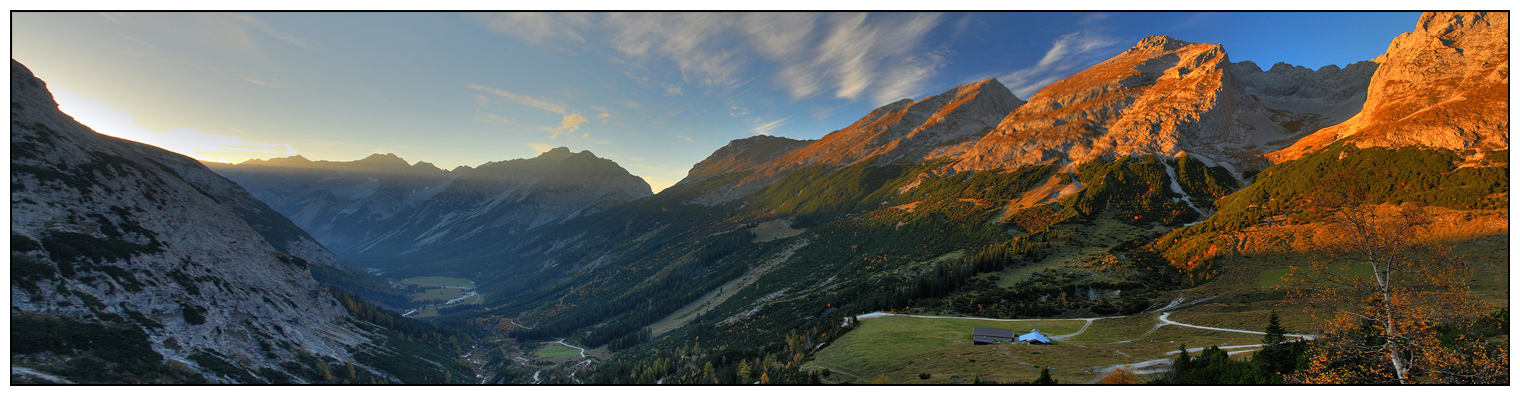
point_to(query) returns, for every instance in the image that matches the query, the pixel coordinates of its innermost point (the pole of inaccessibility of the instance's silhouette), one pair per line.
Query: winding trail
(1165, 321)
(583, 350)
(1158, 365)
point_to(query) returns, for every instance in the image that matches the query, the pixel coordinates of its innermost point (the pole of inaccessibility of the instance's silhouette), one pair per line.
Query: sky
(655, 92)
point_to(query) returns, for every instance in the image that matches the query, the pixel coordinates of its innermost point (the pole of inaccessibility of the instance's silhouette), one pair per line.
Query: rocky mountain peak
(741, 155)
(383, 161)
(1445, 84)
(1158, 43)
(560, 152)
(1160, 97)
(902, 131)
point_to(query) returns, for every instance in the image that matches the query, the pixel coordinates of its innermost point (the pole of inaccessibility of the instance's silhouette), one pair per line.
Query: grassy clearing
(1489, 259)
(438, 281)
(1273, 277)
(903, 347)
(1117, 329)
(554, 349)
(773, 230)
(1248, 317)
(899, 343)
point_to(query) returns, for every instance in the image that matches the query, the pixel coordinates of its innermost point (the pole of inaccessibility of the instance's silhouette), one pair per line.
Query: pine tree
(1274, 331)
(1180, 366)
(1045, 378)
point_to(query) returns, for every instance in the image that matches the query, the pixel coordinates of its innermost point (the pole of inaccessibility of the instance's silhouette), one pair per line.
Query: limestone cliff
(1446, 85)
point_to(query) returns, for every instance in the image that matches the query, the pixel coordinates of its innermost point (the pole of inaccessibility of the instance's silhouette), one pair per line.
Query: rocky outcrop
(1304, 100)
(1163, 96)
(905, 131)
(1446, 85)
(381, 210)
(742, 155)
(125, 235)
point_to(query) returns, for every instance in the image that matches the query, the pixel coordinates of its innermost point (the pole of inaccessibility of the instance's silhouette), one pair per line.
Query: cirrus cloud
(850, 56)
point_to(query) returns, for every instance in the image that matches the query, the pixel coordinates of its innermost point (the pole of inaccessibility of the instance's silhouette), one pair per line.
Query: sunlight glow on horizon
(106, 120)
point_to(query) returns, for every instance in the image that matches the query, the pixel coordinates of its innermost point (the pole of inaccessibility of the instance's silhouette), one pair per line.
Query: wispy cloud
(482, 116)
(520, 99)
(603, 117)
(264, 83)
(858, 52)
(231, 32)
(768, 127)
(535, 27)
(571, 123)
(851, 56)
(154, 47)
(262, 26)
(1068, 55)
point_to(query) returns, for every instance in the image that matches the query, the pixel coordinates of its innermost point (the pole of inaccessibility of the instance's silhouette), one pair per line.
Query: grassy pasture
(900, 344)
(773, 230)
(1273, 277)
(904, 347)
(554, 349)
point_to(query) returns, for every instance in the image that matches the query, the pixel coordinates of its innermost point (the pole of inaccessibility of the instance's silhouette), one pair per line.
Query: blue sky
(654, 92)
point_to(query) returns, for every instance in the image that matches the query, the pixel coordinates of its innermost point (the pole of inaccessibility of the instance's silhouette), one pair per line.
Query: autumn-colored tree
(1120, 376)
(743, 371)
(881, 380)
(1383, 327)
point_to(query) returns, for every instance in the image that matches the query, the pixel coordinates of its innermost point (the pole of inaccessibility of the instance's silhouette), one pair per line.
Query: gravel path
(583, 350)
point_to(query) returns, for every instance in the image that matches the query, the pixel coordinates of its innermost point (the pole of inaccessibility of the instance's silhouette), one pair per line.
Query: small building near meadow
(1034, 337)
(987, 336)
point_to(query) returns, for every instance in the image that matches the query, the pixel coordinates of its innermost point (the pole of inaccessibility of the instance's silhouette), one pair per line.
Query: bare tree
(1383, 328)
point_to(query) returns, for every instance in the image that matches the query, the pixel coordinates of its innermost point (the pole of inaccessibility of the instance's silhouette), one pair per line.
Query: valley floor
(902, 347)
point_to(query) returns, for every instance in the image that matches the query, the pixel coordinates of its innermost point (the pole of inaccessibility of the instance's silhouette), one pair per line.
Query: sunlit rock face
(905, 131)
(1445, 84)
(742, 155)
(1163, 97)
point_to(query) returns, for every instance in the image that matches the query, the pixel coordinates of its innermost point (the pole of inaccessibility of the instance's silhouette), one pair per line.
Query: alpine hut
(1034, 337)
(982, 336)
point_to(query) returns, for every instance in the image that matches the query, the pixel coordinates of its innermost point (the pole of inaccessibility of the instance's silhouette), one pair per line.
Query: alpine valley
(1153, 202)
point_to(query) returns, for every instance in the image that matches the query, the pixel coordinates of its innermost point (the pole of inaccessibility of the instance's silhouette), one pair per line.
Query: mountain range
(381, 209)
(1166, 177)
